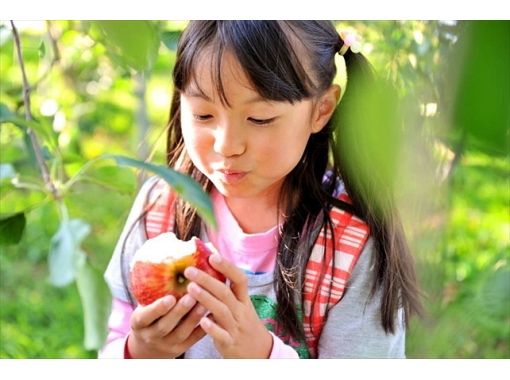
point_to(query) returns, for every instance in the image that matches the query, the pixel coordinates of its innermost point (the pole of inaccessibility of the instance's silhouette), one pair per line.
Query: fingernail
(168, 300)
(206, 322)
(188, 301)
(190, 272)
(193, 288)
(216, 259)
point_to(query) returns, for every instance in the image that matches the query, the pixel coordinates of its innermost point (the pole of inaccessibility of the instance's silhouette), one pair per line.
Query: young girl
(314, 270)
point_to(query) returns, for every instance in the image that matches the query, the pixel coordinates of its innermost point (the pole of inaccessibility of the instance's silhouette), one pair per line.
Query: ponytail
(366, 127)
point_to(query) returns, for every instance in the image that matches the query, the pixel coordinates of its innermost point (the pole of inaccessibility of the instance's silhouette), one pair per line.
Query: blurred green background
(105, 87)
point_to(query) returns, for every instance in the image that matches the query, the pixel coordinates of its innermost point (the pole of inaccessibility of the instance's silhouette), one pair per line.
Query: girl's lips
(231, 176)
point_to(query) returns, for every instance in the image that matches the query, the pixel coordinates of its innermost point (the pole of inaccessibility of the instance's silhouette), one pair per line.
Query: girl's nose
(229, 141)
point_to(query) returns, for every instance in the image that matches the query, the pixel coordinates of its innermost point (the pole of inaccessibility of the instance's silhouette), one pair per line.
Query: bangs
(262, 48)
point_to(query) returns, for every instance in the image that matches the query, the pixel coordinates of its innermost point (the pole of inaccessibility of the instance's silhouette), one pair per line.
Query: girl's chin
(234, 191)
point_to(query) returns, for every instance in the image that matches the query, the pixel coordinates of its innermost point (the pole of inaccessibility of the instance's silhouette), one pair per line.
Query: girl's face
(247, 149)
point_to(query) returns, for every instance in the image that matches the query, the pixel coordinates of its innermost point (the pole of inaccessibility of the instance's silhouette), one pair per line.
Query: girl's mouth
(231, 176)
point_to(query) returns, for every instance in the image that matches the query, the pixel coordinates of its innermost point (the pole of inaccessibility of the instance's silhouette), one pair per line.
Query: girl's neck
(254, 215)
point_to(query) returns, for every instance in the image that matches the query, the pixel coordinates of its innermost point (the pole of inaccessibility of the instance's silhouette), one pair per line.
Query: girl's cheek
(192, 134)
(199, 145)
(201, 139)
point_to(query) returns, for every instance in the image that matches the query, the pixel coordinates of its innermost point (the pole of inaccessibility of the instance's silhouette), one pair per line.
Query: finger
(197, 334)
(168, 322)
(239, 281)
(144, 316)
(189, 331)
(220, 336)
(222, 313)
(214, 286)
(186, 326)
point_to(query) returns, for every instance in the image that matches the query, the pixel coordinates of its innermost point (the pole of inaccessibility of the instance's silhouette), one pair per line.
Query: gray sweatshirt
(352, 329)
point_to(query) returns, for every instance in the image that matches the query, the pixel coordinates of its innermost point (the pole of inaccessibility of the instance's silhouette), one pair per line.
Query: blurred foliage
(482, 95)
(133, 47)
(467, 276)
(130, 43)
(95, 92)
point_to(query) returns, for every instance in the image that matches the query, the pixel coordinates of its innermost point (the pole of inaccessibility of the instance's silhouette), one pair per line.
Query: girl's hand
(235, 328)
(165, 329)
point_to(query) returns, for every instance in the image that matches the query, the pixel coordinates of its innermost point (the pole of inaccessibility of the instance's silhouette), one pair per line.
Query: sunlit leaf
(11, 229)
(494, 293)
(5, 112)
(41, 128)
(368, 133)
(170, 39)
(136, 42)
(113, 177)
(42, 50)
(13, 200)
(12, 152)
(96, 302)
(183, 185)
(65, 251)
(6, 116)
(482, 103)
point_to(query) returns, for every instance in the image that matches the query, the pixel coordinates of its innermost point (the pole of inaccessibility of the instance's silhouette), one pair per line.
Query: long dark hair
(291, 61)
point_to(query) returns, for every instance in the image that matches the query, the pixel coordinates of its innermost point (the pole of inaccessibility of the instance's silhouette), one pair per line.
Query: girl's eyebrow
(257, 99)
(193, 93)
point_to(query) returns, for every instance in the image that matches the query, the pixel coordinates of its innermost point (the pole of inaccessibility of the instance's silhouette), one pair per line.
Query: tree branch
(28, 116)
(142, 120)
(55, 59)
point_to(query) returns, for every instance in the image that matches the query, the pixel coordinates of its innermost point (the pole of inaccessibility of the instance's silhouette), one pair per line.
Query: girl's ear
(325, 107)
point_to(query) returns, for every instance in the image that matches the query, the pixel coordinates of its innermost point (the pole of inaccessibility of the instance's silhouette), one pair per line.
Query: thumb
(144, 316)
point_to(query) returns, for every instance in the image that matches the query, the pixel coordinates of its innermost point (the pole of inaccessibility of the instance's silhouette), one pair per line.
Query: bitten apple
(158, 266)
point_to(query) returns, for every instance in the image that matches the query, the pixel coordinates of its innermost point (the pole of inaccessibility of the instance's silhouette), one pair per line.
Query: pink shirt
(254, 253)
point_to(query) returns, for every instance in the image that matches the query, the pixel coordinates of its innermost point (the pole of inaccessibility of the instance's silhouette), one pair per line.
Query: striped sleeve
(328, 270)
(353, 328)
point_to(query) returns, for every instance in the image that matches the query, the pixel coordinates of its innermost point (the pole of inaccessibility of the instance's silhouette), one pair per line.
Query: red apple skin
(151, 281)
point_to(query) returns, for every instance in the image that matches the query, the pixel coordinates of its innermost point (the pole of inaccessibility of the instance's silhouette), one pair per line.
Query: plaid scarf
(323, 275)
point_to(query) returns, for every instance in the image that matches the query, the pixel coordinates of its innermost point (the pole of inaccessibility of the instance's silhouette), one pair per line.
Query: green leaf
(42, 129)
(96, 302)
(187, 188)
(113, 177)
(170, 39)
(14, 201)
(482, 63)
(11, 152)
(5, 112)
(6, 116)
(11, 229)
(65, 251)
(42, 50)
(368, 134)
(494, 293)
(135, 42)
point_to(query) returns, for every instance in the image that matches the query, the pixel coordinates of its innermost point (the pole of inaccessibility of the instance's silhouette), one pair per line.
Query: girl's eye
(202, 117)
(261, 121)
